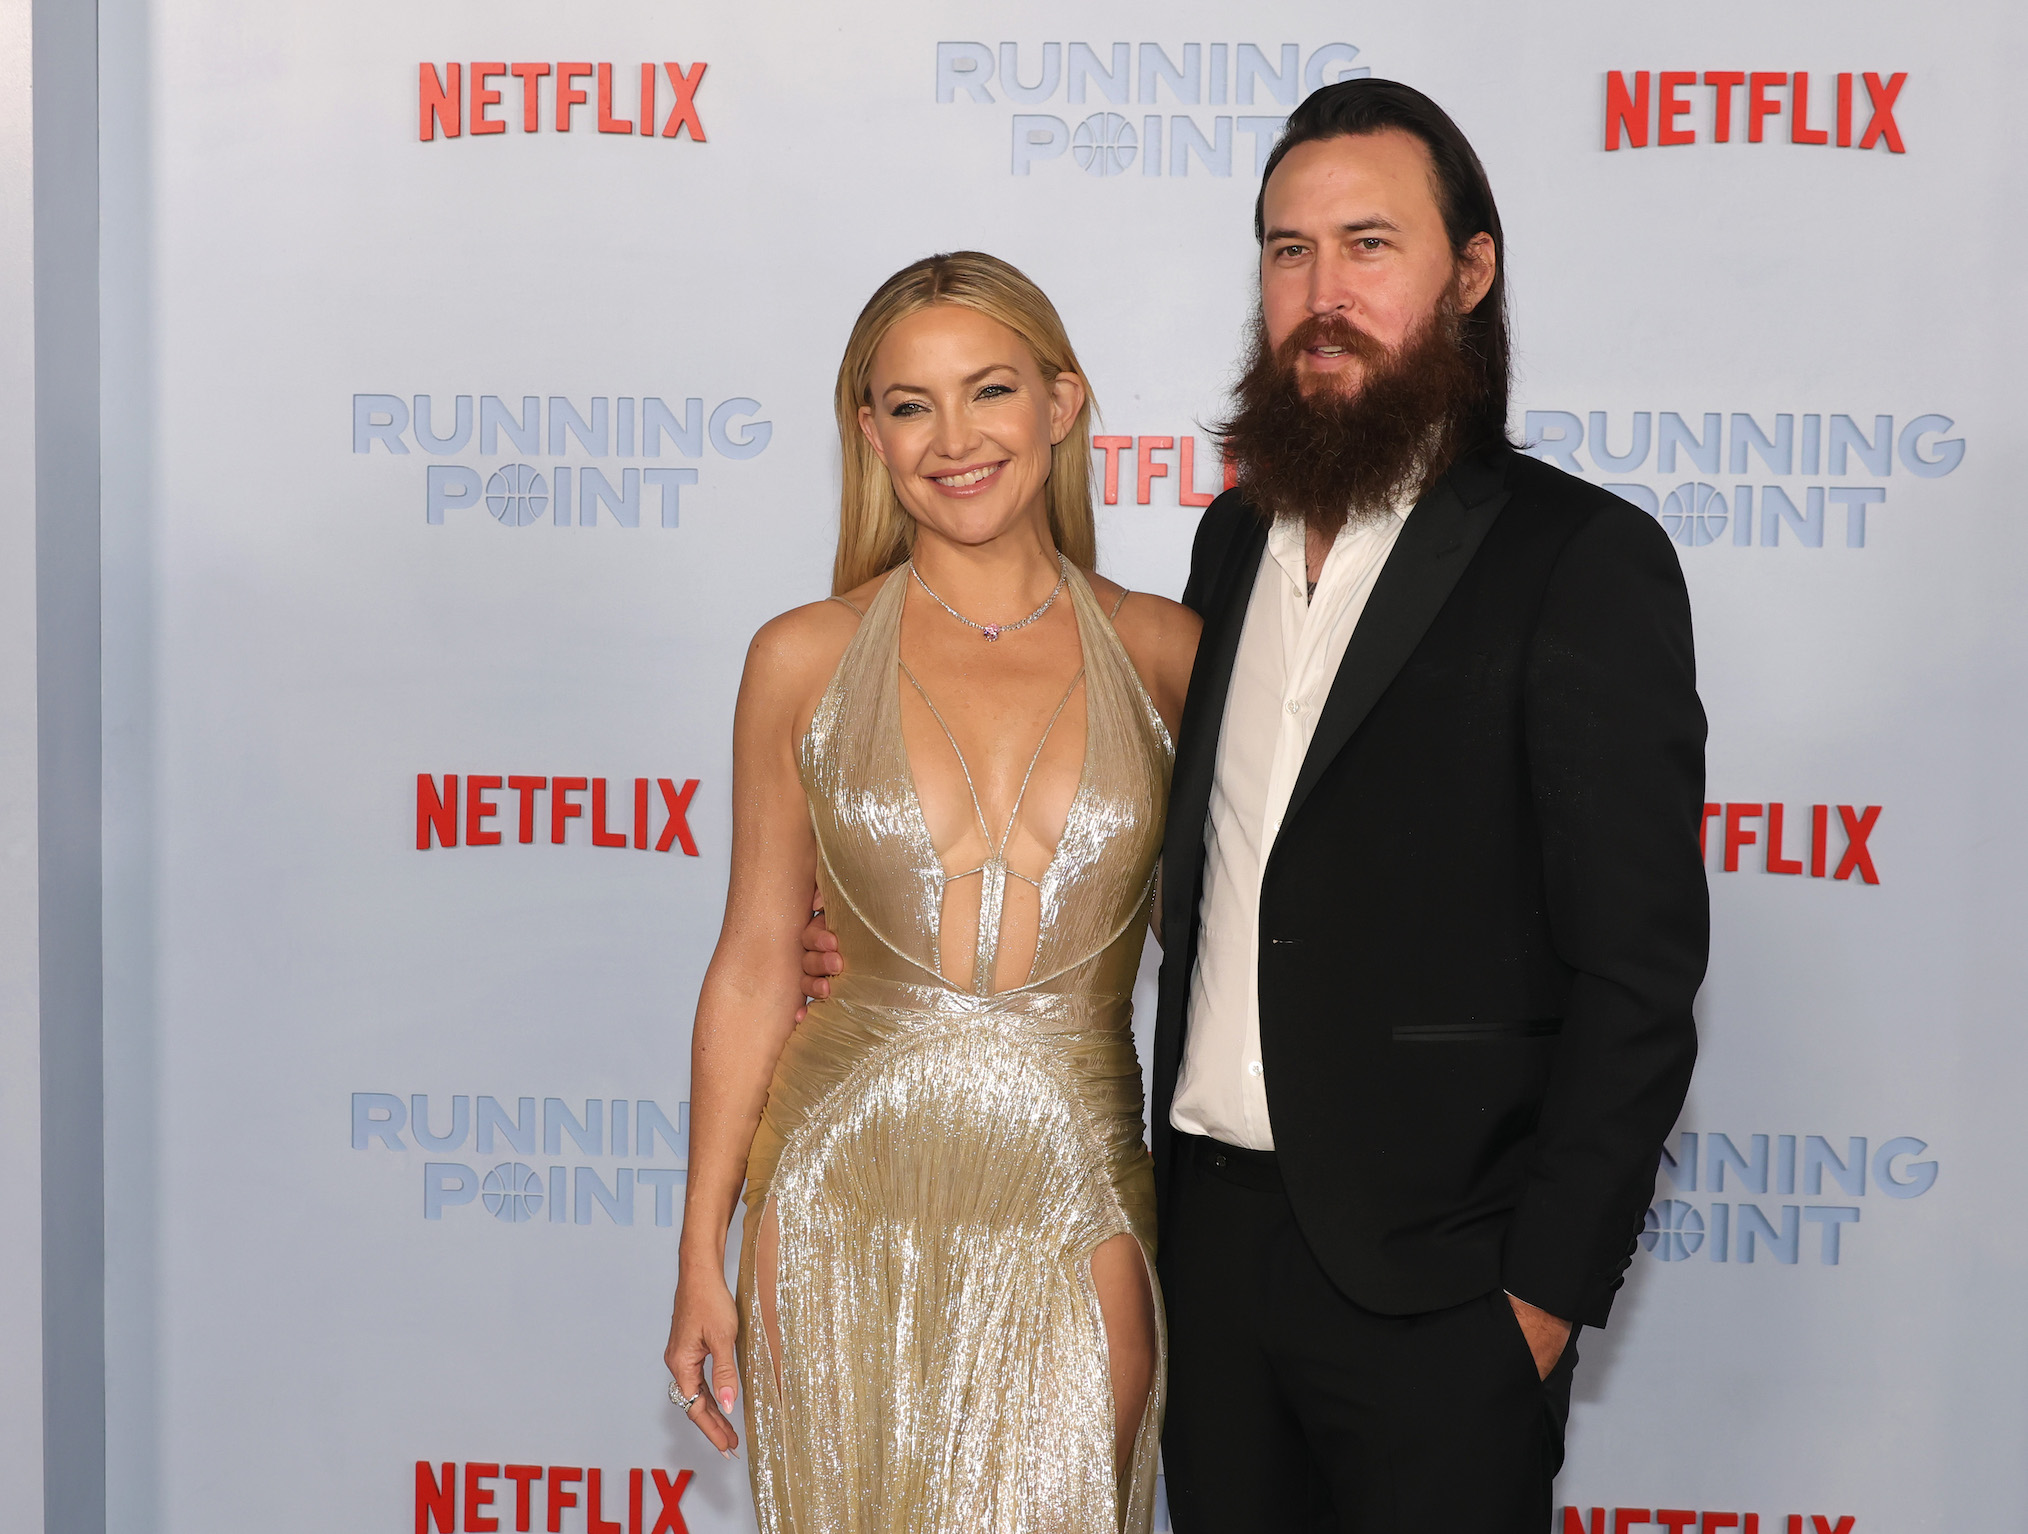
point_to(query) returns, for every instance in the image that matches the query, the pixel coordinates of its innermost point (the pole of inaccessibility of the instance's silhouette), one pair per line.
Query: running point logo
(1770, 827)
(1678, 1520)
(1148, 459)
(444, 108)
(1130, 75)
(436, 811)
(546, 1491)
(1698, 513)
(1676, 1230)
(512, 1190)
(518, 494)
(1632, 109)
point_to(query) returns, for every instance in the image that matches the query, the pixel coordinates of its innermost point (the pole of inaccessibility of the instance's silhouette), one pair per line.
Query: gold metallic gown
(942, 1162)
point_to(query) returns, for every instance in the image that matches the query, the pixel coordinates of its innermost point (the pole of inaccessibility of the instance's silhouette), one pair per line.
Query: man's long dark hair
(1464, 196)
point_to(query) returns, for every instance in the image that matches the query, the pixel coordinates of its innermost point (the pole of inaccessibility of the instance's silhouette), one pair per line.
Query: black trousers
(1293, 1410)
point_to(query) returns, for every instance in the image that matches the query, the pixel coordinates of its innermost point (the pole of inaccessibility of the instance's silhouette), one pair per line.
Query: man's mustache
(1329, 330)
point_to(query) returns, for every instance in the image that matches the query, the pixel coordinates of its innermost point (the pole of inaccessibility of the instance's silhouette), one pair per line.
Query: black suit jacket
(1484, 919)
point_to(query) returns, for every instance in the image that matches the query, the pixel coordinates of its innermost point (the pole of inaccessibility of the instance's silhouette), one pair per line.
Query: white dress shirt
(1288, 657)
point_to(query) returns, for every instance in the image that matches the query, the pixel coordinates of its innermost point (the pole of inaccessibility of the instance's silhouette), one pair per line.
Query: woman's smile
(971, 481)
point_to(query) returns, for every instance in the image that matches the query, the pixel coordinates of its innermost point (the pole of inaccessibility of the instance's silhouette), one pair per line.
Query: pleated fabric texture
(941, 1164)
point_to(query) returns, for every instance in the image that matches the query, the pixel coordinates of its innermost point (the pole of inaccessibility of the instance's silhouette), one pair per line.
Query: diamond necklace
(993, 631)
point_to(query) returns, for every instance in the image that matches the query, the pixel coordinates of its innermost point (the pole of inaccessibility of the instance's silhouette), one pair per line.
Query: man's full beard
(1327, 456)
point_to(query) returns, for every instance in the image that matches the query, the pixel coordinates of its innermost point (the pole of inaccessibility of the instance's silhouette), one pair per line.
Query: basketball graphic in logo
(517, 495)
(1104, 144)
(1672, 1230)
(1695, 514)
(512, 1191)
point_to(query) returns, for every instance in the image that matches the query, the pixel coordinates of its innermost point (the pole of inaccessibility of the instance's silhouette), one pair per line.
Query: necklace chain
(993, 631)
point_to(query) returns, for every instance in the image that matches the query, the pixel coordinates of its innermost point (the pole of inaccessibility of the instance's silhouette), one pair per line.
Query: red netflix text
(1669, 103)
(1788, 843)
(544, 1492)
(437, 823)
(1148, 459)
(1680, 1520)
(476, 99)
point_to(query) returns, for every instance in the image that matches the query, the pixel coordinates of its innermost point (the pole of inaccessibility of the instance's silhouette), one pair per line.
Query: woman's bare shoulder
(796, 652)
(1146, 620)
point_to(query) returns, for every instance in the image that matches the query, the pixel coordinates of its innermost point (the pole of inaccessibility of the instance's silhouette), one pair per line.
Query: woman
(947, 1313)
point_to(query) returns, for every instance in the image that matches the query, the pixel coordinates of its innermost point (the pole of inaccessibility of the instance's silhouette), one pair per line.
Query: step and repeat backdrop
(470, 410)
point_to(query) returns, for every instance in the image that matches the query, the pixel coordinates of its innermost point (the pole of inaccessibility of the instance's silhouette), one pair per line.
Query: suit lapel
(1436, 543)
(1203, 714)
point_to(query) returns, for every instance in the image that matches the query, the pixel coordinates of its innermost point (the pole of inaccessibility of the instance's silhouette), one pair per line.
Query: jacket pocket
(1472, 1033)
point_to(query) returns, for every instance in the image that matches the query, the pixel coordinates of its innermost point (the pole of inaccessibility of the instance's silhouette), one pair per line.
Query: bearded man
(1433, 914)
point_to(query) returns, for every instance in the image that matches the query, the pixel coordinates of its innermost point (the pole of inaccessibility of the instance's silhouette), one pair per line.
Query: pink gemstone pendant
(991, 631)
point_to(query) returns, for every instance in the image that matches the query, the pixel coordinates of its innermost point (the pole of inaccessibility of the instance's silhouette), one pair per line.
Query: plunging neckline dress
(941, 1160)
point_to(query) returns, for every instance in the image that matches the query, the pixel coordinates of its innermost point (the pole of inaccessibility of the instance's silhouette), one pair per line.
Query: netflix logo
(1683, 1521)
(444, 106)
(1150, 459)
(1656, 109)
(548, 1492)
(438, 824)
(1770, 828)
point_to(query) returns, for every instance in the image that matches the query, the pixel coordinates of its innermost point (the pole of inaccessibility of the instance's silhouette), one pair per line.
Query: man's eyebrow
(1362, 225)
(1356, 226)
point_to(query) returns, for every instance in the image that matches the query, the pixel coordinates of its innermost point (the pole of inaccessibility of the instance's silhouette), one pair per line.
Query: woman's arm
(747, 1005)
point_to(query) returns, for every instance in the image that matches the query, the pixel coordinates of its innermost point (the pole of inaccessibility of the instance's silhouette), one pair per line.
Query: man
(1433, 915)
(1433, 912)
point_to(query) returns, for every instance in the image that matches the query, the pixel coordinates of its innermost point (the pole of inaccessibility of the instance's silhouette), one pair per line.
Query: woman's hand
(705, 1325)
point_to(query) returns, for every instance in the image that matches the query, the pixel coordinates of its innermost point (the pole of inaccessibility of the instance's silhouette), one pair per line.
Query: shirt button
(1253, 1067)
(1295, 707)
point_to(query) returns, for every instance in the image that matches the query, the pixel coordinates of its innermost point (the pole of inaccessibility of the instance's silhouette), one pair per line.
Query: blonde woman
(947, 1313)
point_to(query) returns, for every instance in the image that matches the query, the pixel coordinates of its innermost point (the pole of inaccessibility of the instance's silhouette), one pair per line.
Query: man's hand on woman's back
(821, 958)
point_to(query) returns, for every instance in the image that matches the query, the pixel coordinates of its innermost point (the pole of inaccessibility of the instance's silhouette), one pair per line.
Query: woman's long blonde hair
(875, 532)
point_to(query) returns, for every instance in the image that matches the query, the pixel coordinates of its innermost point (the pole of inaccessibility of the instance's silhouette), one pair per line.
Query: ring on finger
(679, 1399)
